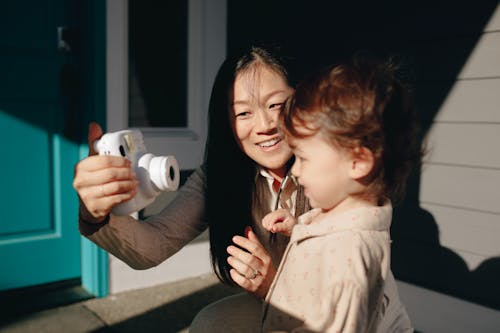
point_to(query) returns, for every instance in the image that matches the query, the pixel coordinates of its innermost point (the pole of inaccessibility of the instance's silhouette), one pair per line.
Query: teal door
(39, 241)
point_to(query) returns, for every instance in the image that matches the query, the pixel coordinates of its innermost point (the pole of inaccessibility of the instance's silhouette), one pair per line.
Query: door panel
(28, 176)
(39, 240)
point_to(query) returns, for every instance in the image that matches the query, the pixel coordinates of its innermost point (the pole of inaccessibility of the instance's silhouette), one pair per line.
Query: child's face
(258, 98)
(323, 170)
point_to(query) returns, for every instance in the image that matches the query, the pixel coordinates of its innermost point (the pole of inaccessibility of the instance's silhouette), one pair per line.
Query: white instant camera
(154, 173)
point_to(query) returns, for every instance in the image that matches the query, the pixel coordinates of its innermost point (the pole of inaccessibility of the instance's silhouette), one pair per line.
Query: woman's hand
(102, 181)
(253, 269)
(280, 221)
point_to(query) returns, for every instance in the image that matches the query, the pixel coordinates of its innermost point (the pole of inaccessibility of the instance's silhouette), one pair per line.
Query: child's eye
(300, 158)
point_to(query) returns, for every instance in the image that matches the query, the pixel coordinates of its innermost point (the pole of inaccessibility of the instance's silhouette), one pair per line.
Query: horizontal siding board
(466, 100)
(484, 60)
(472, 260)
(494, 21)
(471, 188)
(440, 59)
(474, 232)
(464, 144)
(449, 58)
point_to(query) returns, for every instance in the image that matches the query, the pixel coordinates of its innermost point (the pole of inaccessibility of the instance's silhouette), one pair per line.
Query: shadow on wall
(419, 258)
(434, 42)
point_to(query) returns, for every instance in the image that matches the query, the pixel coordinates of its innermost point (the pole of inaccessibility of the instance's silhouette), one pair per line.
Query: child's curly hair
(361, 104)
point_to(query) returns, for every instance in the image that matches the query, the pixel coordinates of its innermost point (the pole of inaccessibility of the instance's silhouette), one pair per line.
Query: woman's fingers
(250, 257)
(244, 262)
(252, 265)
(108, 189)
(99, 162)
(110, 174)
(242, 281)
(243, 268)
(99, 199)
(101, 207)
(103, 182)
(96, 170)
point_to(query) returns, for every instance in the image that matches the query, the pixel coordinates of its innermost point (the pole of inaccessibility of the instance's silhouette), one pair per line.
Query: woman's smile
(269, 145)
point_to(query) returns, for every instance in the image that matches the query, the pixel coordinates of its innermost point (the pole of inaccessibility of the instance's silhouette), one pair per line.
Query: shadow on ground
(174, 316)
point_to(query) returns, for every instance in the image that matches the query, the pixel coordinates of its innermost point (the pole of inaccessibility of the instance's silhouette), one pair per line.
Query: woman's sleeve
(145, 244)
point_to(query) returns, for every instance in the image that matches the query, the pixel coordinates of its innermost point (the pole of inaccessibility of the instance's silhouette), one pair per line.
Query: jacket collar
(310, 224)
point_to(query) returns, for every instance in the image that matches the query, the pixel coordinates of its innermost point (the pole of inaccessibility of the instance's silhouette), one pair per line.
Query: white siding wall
(460, 185)
(460, 180)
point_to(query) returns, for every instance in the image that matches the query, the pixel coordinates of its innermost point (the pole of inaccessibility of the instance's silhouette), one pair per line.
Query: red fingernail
(247, 230)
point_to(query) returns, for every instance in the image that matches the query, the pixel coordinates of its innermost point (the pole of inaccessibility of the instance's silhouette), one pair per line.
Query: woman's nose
(265, 121)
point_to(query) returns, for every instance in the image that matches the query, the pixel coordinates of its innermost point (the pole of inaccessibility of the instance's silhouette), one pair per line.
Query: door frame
(206, 51)
(94, 260)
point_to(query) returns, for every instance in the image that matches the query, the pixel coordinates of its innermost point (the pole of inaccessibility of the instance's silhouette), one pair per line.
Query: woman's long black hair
(230, 173)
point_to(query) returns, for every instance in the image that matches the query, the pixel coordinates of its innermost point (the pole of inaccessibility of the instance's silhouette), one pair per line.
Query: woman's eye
(243, 114)
(276, 106)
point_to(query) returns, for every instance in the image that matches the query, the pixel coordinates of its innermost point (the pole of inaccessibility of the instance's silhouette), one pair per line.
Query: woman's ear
(362, 163)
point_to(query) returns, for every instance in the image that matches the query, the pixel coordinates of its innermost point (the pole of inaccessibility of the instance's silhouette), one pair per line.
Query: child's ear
(362, 163)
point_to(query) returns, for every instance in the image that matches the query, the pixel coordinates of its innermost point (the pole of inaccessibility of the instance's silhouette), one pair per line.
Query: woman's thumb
(95, 132)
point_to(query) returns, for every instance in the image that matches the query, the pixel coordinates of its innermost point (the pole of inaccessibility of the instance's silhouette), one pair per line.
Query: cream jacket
(333, 275)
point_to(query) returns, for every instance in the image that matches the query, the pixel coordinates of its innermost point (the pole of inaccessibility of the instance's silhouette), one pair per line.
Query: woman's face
(258, 97)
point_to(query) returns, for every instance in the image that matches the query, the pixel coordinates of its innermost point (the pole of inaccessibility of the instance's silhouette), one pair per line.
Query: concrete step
(168, 307)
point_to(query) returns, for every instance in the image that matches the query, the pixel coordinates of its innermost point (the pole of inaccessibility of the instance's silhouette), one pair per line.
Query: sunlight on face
(259, 94)
(323, 170)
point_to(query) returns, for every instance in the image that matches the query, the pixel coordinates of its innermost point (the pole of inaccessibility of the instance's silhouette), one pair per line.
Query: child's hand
(279, 221)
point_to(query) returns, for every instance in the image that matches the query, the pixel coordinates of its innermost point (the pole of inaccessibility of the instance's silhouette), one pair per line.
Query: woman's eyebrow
(272, 93)
(264, 98)
(242, 102)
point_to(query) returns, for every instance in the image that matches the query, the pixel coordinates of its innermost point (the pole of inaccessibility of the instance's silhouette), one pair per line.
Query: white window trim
(206, 51)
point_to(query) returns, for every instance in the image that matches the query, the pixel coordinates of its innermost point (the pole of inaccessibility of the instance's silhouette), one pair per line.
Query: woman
(245, 163)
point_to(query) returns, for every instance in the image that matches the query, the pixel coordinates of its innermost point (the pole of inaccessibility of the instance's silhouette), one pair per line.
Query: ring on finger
(254, 274)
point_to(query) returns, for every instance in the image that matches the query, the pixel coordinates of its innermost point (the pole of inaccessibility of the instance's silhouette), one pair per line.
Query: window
(157, 44)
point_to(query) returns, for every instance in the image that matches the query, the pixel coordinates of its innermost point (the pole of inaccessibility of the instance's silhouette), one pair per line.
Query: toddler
(352, 130)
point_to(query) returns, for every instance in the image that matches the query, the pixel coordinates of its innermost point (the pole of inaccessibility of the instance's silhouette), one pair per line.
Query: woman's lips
(269, 144)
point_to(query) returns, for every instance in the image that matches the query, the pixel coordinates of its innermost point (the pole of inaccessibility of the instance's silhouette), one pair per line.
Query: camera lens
(122, 151)
(172, 172)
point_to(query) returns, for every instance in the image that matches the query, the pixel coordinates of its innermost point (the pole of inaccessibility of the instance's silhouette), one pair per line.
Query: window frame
(206, 51)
